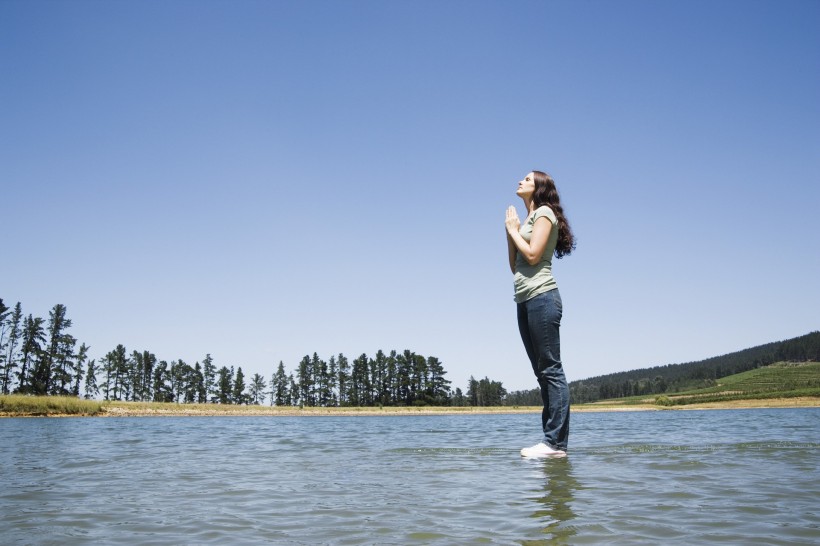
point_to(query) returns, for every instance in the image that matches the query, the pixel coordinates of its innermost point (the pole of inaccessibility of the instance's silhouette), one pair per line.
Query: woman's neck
(528, 204)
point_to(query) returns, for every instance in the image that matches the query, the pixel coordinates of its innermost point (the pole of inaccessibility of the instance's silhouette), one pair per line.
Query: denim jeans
(539, 321)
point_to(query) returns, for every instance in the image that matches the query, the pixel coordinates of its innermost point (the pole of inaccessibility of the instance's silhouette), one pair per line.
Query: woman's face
(526, 187)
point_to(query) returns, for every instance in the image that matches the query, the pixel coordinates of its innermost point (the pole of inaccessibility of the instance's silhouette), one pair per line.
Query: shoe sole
(558, 455)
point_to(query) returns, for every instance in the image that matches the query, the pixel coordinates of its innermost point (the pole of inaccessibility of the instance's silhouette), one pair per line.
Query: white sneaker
(542, 450)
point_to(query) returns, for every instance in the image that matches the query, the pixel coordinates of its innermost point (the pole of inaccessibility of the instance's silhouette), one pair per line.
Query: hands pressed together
(512, 222)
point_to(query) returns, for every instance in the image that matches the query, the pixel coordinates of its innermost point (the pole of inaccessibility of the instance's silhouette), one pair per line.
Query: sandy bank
(148, 409)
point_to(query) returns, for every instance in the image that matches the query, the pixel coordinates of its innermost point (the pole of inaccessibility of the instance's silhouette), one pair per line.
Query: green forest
(41, 357)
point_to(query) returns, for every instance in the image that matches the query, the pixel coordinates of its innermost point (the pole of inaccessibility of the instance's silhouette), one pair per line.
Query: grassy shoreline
(58, 406)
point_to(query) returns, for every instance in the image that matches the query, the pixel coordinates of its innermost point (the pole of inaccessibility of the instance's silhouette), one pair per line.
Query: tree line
(40, 357)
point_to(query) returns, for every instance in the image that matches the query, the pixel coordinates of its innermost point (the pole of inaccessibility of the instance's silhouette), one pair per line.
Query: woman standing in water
(530, 247)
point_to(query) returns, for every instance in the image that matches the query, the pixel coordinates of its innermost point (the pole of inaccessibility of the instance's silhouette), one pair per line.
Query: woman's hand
(532, 250)
(512, 222)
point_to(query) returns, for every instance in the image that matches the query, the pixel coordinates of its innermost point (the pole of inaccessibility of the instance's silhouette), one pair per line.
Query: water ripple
(686, 477)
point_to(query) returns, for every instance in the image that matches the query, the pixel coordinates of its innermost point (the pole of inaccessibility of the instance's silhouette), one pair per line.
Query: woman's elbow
(533, 259)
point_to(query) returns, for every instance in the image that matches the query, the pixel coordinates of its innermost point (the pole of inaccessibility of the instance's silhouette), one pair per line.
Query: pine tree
(359, 381)
(178, 380)
(163, 391)
(344, 381)
(392, 379)
(257, 389)
(105, 367)
(65, 365)
(91, 388)
(320, 381)
(79, 368)
(381, 388)
(272, 391)
(4, 327)
(472, 392)
(280, 385)
(113, 368)
(209, 378)
(50, 365)
(404, 379)
(137, 371)
(305, 381)
(10, 362)
(118, 362)
(333, 381)
(34, 337)
(239, 396)
(149, 361)
(374, 381)
(293, 392)
(193, 383)
(224, 381)
(438, 390)
(419, 381)
(323, 380)
(201, 390)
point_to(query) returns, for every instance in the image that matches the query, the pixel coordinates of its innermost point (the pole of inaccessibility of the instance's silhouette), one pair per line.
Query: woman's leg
(543, 343)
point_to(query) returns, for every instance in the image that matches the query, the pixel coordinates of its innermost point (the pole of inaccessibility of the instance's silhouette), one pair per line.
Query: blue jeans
(539, 321)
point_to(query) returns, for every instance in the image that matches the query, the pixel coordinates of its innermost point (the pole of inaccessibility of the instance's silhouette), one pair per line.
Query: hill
(677, 378)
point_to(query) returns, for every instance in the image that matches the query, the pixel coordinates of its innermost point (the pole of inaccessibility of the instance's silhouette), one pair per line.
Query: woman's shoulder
(544, 210)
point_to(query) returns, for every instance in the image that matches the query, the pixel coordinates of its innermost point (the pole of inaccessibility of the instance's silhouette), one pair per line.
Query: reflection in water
(555, 501)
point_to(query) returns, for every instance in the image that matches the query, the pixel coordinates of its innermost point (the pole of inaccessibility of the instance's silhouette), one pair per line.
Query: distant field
(782, 380)
(783, 376)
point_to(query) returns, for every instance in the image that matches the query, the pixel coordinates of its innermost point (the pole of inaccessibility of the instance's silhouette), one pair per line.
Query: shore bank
(67, 407)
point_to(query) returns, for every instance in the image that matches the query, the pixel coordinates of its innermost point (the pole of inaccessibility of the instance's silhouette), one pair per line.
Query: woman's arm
(534, 250)
(512, 224)
(512, 251)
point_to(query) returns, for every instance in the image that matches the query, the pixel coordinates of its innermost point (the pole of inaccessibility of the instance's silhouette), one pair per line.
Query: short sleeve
(544, 211)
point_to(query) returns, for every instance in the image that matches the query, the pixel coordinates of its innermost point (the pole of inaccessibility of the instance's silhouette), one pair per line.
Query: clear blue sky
(264, 180)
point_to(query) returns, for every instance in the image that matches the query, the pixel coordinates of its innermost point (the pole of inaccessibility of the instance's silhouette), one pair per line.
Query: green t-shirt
(532, 280)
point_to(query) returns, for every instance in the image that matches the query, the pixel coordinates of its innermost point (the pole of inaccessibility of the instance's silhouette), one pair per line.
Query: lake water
(730, 476)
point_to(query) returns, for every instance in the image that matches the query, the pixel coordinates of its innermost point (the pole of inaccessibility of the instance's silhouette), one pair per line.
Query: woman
(530, 247)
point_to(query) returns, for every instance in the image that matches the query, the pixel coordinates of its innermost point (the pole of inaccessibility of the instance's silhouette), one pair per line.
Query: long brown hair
(546, 194)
